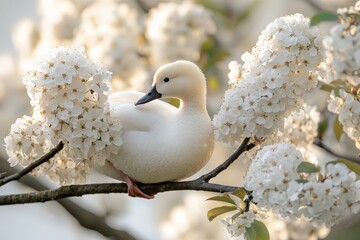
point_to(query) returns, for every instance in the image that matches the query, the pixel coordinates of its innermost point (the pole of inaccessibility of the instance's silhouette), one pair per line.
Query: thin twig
(315, 5)
(33, 165)
(242, 148)
(321, 145)
(142, 6)
(94, 222)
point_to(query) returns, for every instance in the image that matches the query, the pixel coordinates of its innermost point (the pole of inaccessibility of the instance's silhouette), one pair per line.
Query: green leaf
(337, 91)
(250, 233)
(212, 53)
(338, 129)
(208, 44)
(261, 230)
(301, 180)
(322, 127)
(257, 231)
(224, 198)
(326, 87)
(213, 213)
(339, 83)
(322, 17)
(240, 193)
(351, 165)
(307, 167)
(235, 216)
(213, 7)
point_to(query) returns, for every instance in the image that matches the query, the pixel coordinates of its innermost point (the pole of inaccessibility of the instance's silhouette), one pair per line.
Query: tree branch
(321, 145)
(243, 147)
(86, 218)
(33, 165)
(86, 189)
(94, 222)
(199, 184)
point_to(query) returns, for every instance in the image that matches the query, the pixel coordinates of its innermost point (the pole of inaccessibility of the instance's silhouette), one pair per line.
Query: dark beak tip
(150, 96)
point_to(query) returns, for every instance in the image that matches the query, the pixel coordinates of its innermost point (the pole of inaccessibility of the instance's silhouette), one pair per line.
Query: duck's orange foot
(134, 190)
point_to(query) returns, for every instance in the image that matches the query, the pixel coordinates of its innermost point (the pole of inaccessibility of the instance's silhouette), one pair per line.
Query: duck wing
(142, 117)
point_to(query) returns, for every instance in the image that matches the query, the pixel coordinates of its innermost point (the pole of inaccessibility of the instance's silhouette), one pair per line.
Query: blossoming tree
(263, 110)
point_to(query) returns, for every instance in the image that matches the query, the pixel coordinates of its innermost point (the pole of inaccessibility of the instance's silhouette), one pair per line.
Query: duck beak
(151, 95)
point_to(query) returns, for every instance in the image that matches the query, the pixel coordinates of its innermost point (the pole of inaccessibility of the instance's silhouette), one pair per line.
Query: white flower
(300, 127)
(280, 68)
(237, 227)
(270, 172)
(299, 229)
(177, 30)
(347, 106)
(342, 48)
(338, 173)
(275, 184)
(59, 19)
(68, 94)
(235, 72)
(25, 142)
(119, 22)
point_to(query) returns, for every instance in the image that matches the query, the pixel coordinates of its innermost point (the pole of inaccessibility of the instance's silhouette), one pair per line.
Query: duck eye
(166, 79)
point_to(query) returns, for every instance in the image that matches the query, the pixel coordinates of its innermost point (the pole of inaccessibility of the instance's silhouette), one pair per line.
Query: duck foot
(133, 189)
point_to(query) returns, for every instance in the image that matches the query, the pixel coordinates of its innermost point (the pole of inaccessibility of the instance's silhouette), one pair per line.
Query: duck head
(181, 79)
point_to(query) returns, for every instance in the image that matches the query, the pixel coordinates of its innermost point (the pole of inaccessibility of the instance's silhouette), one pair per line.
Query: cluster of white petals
(69, 98)
(110, 32)
(299, 229)
(59, 19)
(347, 106)
(300, 127)
(324, 197)
(342, 49)
(237, 227)
(177, 31)
(344, 12)
(235, 72)
(278, 71)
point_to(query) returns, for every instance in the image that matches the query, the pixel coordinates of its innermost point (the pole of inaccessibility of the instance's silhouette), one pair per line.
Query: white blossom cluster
(347, 106)
(128, 41)
(324, 197)
(345, 12)
(177, 31)
(110, 32)
(235, 72)
(57, 27)
(299, 229)
(280, 68)
(68, 96)
(300, 127)
(342, 49)
(237, 227)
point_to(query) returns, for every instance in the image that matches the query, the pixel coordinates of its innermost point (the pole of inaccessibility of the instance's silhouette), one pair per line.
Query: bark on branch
(321, 145)
(199, 184)
(33, 165)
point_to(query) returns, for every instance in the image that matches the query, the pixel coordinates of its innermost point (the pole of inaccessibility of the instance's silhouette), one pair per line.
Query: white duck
(161, 142)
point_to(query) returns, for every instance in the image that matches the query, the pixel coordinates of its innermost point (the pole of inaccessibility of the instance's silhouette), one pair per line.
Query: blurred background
(132, 38)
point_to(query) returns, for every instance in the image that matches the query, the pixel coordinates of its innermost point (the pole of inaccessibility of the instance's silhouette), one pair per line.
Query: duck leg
(133, 189)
